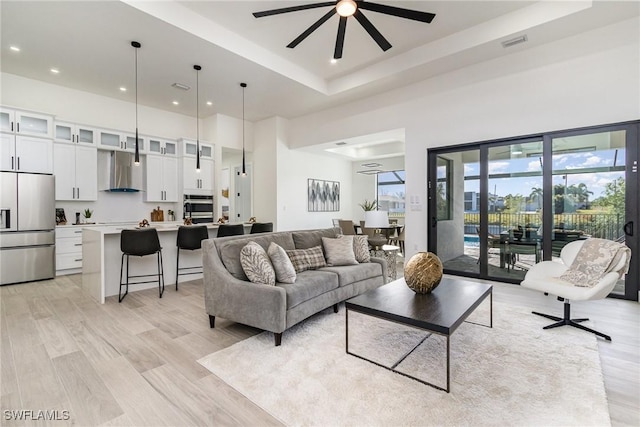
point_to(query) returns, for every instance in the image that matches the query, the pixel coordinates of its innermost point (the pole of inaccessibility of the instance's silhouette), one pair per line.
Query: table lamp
(376, 220)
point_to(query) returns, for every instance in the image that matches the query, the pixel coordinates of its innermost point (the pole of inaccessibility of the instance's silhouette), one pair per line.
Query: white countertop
(162, 227)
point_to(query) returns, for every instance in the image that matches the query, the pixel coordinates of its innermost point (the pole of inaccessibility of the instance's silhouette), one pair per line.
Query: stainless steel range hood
(120, 179)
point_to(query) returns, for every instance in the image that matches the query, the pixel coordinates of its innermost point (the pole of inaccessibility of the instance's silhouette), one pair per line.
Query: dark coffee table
(440, 312)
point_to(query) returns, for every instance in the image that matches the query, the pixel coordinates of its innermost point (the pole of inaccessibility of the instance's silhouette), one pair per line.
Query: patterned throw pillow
(256, 264)
(339, 251)
(307, 259)
(285, 272)
(361, 248)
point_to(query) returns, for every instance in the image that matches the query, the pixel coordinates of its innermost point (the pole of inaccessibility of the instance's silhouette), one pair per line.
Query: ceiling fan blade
(311, 29)
(415, 15)
(373, 32)
(292, 9)
(342, 28)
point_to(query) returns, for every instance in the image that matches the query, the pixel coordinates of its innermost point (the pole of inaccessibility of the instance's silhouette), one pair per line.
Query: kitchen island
(102, 256)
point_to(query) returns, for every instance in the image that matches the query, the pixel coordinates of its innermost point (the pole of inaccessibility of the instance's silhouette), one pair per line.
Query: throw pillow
(256, 264)
(339, 251)
(306, 259)
(361, 248)
(285, 272)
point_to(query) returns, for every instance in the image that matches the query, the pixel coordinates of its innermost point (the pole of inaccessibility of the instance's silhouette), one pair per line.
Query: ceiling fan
(347, 8)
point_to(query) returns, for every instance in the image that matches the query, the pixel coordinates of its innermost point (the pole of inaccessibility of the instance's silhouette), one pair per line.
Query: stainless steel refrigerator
(27, 227)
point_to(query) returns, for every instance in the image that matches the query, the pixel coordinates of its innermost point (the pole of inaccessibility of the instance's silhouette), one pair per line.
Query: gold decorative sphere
(423, 272)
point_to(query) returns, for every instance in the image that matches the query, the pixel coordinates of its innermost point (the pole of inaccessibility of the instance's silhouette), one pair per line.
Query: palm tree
(536, 194)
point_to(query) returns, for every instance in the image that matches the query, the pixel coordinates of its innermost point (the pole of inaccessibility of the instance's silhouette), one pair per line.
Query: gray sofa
(229, 293)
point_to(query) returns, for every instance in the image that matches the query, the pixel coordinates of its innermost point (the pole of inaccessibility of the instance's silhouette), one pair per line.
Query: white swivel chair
(545, 277)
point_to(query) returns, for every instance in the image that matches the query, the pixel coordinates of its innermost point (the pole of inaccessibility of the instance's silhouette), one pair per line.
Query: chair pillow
(361, 248)
(339, 251)
(307, 259)
(256, 264)
(285, 272)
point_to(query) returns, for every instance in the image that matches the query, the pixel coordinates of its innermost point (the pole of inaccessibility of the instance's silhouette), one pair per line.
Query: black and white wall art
(323, 196)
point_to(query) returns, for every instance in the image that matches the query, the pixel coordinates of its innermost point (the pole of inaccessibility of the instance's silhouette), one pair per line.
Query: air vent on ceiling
(341, 143)
(515, 41)
(181, 86)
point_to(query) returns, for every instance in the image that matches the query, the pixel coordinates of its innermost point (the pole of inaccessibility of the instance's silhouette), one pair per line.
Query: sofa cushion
(285, 272)
(339, 251)
(229, 248)
(361, 248)
(311, 238)
(348, 274)
(308, 285)
(256, 264)
(307, 259)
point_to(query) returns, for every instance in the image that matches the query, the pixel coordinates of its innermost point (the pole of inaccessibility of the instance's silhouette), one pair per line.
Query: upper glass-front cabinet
(190, 149)
(120, 141)
(162, 146)
(26, 123)
(72, 133)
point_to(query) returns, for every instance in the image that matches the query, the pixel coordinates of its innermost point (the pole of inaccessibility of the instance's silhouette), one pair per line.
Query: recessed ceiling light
(176, 103)
(123, 89)
(55, 71)
(209, 103)
(14, 48)
(334, 61)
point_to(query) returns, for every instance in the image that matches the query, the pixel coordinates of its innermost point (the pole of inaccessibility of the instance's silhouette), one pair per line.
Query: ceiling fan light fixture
(346, 8)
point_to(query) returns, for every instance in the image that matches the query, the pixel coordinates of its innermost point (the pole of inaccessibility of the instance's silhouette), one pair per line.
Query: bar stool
(189, 238)
(230, 230)
(140, 243)
(261, 227)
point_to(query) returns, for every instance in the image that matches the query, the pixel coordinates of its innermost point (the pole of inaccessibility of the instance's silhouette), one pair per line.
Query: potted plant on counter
(369, 205)
(87, 215)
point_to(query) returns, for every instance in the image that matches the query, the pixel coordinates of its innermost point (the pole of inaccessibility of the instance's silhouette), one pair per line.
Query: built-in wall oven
(198, 208)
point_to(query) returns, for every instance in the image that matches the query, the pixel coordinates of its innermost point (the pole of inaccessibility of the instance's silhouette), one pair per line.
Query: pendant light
(244, 166)
(136, 158)
(197, 68)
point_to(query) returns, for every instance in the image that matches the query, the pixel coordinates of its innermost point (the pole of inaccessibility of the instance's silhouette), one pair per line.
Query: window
(391, 193)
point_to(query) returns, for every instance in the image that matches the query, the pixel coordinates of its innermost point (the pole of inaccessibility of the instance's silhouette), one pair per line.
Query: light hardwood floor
(135, 363)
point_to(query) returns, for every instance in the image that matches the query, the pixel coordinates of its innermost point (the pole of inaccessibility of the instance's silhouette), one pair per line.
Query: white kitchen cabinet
(197, 182)
(122, 141)
(74, 133)
(161, 178)
(26, 154)
(26, 123)
(76, 171)
(161, 146)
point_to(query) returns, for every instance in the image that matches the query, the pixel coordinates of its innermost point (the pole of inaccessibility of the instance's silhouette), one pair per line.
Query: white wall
(590, 79)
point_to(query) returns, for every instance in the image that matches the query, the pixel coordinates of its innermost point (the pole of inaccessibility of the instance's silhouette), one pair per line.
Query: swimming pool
(471, 240)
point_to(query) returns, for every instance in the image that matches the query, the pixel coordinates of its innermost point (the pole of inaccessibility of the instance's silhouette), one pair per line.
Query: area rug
(512, 374)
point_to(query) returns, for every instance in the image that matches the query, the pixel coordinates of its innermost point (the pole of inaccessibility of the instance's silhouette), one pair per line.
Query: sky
(595, 181)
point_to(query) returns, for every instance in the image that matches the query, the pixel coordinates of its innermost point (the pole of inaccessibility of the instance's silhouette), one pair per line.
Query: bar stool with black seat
(261, 227)
(189, 238)
(230, 230)
(140, 243)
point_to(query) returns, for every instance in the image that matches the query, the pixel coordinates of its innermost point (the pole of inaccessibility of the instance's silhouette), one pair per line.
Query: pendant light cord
(136, 160)
(197, 68)
(244, 168)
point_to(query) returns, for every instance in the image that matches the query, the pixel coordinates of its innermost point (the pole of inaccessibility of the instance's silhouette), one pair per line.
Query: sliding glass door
(496, 208)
